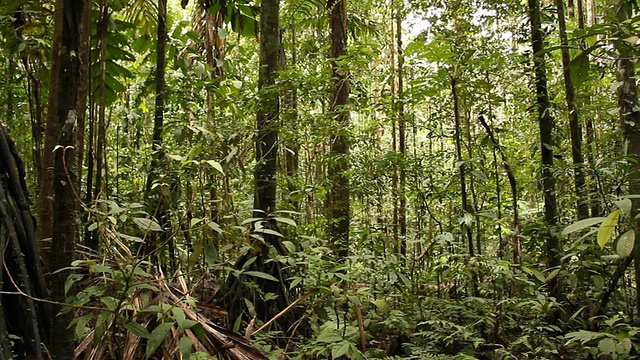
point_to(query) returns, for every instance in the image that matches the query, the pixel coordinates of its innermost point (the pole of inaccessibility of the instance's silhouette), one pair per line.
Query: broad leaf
(582, 224)
(607, 227)
(147, 224)
(341, 349)
(260, 274)
(137, 329)
(286, 221)
(624, 205)
(624, 247)
(157, 337)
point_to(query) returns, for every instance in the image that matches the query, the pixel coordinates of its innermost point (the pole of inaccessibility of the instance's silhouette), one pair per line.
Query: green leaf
(286, 221)
(607, 346)
(552, 275)
(579, 68)
(269, 232)
(340, 349)
(329, 335)
(186, 346)
(260, 274)
(291, 247)
(147, 224)
(181, 320)
(582, 224)
(624, 246)
(137, 329)
(81, 323)
(70, 281)
(216, 165)
(607, 227)
(110, 302)
(480, 175)
(215, 227)
(624, 205)
(537, 274)
(157, 337)
(382, 305)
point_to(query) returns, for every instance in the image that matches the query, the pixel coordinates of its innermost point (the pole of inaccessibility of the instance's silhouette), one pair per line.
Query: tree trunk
(553, 246)
(466, 229)
(339, 203)
(264, 201)
(402, 126)
(574, 121)
(630, 120)
(158, 197)
(20, 268)
(66, 106)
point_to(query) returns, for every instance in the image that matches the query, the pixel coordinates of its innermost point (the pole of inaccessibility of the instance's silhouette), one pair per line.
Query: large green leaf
(157, 337)
(147, 224)
(607, 227)
(582, 224)
(260, 274)
(137, 329)
(624, 246)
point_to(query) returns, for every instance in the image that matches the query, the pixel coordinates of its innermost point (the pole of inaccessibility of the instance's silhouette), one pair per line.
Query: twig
(286, 310)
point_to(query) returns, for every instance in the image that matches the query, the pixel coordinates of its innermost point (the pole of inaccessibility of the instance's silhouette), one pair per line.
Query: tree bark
(65, 108)
(339, 202)
(545, 121)
(466, 229)
(574, 120)
(402, 126)
(20, 267)
(630, 122)
(264, 201)
(158, 197)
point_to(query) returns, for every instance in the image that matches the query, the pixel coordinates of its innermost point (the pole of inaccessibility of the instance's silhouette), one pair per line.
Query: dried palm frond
(147, 315)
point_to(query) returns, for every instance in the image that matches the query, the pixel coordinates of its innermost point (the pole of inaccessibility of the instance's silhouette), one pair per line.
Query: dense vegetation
(418, 179)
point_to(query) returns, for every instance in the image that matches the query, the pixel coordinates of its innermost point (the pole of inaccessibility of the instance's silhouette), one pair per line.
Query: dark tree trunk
(338, 167)
(159, 196)
(66, 107)
(553, 246)
(264, 201)
(582, 205)
(260, 258)
(462, 168)
(20, 268)
(630, 120)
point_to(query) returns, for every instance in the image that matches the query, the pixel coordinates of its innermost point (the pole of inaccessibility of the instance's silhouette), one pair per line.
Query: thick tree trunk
(630, 120)
(339, 203)
(66, 106)
(20, 268)
(553, 246)
(264, 201)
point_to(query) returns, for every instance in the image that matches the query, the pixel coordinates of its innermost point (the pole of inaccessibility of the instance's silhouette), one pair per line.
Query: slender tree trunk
(402, 125)
(462, 167)
(630, 120)
(65, 107)
(162, 192)
(292, 147)
(514, 189)
(339, 203)
(553, 246)
(574, 121)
